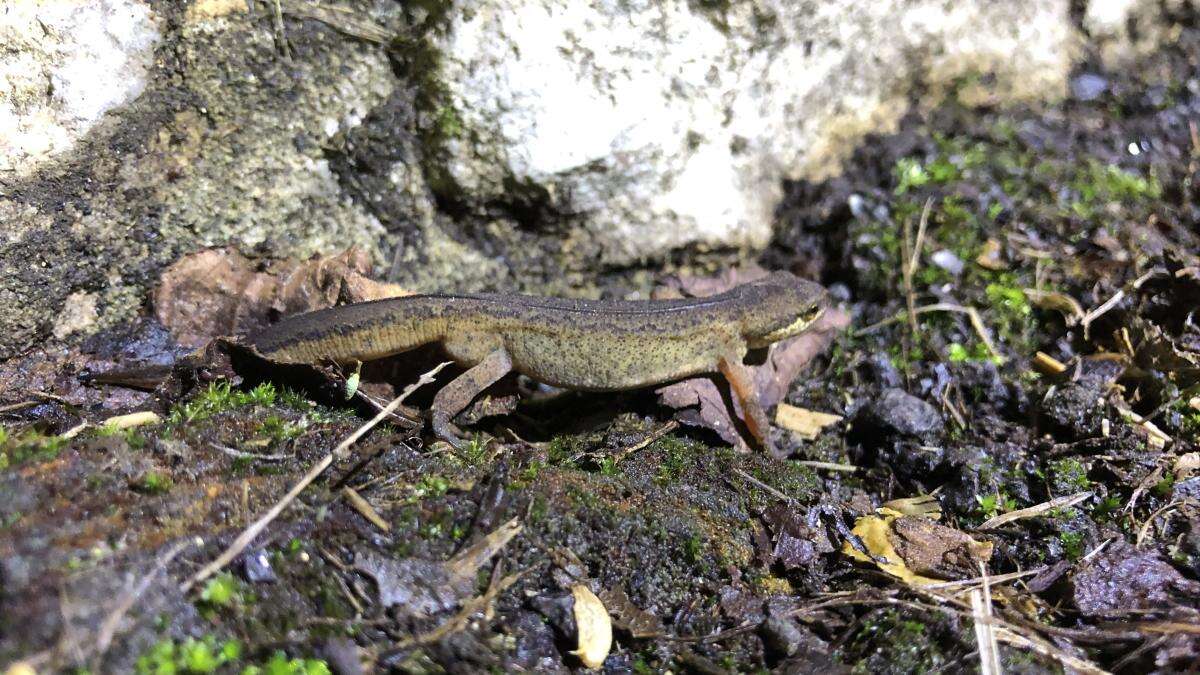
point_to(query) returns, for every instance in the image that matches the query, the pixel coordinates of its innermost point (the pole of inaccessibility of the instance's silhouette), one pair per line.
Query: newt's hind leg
(457, 395)
(741, 382)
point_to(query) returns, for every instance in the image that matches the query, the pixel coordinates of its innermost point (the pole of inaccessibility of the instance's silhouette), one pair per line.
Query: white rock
(948, 261)
(661, 125)
(64, 64)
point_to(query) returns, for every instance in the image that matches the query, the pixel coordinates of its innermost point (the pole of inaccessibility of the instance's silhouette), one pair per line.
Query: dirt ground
(1012, 481)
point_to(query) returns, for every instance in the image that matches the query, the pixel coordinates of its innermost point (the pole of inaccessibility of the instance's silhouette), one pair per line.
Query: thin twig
(920, 243)
(17, 406)
(108, 629)
(247, 536)
(993, 580)
(240, 454)
(459, 621)
(112, 622)
(1098, 312)
(1035, 510)
(758, 483)
(653, 436)
(364, 507)
(828, 466)
(985, 635)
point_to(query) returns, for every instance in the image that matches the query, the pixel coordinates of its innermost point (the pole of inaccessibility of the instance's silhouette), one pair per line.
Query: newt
(587, 345)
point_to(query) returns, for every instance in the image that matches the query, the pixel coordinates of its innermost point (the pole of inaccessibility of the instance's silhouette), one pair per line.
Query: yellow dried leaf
(921, 505)
(807, 423)
(929, 547)
(595, 627)
(989, 257)
(873, 531)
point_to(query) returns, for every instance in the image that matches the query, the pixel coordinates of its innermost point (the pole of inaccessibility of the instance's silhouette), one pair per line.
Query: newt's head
(779, 306)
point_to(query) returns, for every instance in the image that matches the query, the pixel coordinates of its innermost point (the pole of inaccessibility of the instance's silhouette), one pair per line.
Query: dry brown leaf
(221, 292)
(807, 423)
(594, 626)
(916, 550)
(1185, 464)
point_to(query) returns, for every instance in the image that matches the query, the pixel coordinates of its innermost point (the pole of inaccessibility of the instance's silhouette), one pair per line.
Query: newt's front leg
(457, 395)
(741, 382)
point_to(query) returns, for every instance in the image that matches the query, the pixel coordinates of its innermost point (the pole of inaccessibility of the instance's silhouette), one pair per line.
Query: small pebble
(948, 261)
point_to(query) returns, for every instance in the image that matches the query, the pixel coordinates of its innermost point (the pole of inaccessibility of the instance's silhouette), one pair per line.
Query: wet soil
(1023, 287)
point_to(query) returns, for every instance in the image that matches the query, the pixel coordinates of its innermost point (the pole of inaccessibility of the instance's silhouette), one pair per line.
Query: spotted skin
(589, 345)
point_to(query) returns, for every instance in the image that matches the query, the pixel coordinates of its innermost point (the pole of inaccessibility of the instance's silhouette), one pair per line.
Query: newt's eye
(811, 314)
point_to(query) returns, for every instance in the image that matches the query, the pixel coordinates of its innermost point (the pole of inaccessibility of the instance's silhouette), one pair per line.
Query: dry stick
(1035, 510)
(364, 507)
(992, 580)
(828, 466)
(240, 454)
(17, 406)
(758, 483)
(653, 436)
(243, 540)
(1097, 312)
(985, 634)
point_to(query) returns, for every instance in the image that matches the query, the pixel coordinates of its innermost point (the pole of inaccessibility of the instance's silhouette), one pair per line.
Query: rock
(782, 635)
(496, 144)
(1088, 86)
(673, 123)
(896, 413)
(948, 261)
(66, 63)
(1074, 407)
(256, 566)
(1122, 579)
(1188, 488)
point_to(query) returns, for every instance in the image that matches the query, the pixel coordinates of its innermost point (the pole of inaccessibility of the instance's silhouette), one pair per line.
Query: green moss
(28, 446)
(1068, 475)
(220, 591)
(677, 455)
(1072, 543)
(1107, 507)
(430, 485)
(276, 429)
(993, 505)
(909, 174)
(280, 664)
(154, 483)
(694, 548)
(205, 655)
(957, 353)
(538, 509)
(890, 643)
(1099, 184)
(217, 398)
